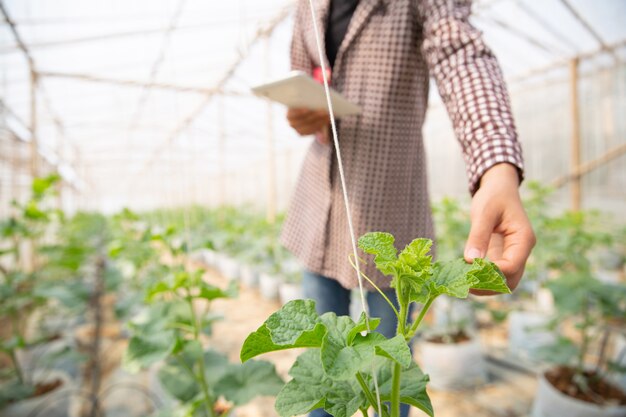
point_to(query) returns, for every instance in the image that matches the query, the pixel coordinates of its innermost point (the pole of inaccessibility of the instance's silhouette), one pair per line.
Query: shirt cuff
(490, 153)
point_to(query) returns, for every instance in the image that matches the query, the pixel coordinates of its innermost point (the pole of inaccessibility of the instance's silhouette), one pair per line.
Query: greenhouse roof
(124, 85)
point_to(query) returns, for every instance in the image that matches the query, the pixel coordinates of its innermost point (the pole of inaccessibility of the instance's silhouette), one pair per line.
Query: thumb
(479, 237)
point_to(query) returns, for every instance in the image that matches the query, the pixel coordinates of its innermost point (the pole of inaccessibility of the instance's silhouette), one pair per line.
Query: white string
(344, 189)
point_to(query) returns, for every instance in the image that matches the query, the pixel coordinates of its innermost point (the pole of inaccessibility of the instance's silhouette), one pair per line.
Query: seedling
(348, 367)
(173, 326)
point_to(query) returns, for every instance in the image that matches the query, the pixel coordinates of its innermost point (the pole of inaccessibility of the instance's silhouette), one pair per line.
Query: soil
(44, 388)
(457, 337)
(600, 391)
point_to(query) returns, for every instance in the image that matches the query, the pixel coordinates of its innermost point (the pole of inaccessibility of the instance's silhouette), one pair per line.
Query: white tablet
(299, 90)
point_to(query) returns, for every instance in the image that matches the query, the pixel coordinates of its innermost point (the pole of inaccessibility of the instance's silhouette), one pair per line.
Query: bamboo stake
(587, 167)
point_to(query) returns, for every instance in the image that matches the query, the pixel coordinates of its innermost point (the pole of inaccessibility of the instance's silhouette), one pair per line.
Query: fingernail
(473, 253)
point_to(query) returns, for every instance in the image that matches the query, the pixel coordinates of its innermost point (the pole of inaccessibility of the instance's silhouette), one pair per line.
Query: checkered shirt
(391, 49)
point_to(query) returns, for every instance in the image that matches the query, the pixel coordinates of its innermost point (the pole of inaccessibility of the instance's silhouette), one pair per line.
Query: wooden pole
(590, 166)
(575, 185)
(271, 157)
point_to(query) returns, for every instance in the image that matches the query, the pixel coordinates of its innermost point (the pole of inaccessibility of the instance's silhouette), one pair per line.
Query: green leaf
(452, 278)
(342, 361)
(242, 383)
(415, 255)
(412, 387)
(489, 276)
(210, 292)
(295, 325)
(178, 381)
(381, 245)
(216, 365)
(161, 287)
(146, 349)
(310, 388)
(562, 352)
(288, 323)
(261, 342)
(361, 326)
(395, 349)
(14, 391)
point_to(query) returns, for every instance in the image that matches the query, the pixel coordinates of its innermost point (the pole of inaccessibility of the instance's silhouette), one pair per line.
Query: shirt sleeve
(300, 59)
(471, 85)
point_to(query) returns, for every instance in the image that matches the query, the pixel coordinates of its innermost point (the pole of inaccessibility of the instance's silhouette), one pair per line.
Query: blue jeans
(329, 295)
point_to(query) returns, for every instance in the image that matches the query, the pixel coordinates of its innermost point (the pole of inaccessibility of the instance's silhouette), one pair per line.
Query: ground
(508, 393)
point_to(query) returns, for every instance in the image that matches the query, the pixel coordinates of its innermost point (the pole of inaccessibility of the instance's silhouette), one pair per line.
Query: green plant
(174, 325)
(348, 366)
(20, 280)
(452, 226)
(592, 307)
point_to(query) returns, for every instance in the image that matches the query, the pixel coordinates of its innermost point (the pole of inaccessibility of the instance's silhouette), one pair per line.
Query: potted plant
(565, 243)
(348, 367)
(24, 383)
(450, 352)
(575, 386)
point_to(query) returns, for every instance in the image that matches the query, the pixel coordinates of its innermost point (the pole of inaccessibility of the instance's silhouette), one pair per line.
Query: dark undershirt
(339, 16)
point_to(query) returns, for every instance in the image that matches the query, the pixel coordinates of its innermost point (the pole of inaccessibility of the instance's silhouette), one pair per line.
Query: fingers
(306, 121)
(483, 225)
(517, 247)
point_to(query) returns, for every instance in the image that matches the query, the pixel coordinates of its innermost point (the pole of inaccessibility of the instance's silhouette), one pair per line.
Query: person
(382, 54)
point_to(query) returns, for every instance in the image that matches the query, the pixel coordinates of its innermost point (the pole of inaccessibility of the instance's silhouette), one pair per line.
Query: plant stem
(209, 402)
(364, 412)
(403, 309)
(15, 322)
(603, 345)
(370, 396)
(16, 365)
(395, 390)
(585, 339)
(419, 319)
(381, 292)
(205, 387)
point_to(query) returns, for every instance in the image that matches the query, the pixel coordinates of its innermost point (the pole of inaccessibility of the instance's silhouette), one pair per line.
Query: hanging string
(344, 189)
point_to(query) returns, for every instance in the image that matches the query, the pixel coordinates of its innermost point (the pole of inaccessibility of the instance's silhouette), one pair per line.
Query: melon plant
(348, 367)
(173, 329)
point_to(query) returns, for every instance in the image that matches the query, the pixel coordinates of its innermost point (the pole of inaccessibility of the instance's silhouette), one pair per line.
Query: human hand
(308, 122)
(500, 228)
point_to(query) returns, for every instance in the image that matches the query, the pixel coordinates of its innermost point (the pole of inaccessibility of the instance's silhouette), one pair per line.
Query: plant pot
(550, 402)
(228, 267)
(290, 291)
(208, 257)
(544, 300)
(249, 276)
(455, 365)
(451, 312)
(609, 276)
(268, 285)
(527, 333)
(54, 403)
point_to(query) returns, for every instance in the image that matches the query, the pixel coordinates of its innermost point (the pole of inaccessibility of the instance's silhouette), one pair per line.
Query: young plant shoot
(348, 368)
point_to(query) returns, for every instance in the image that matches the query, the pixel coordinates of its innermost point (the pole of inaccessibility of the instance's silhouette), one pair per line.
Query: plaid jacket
(384, 63)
